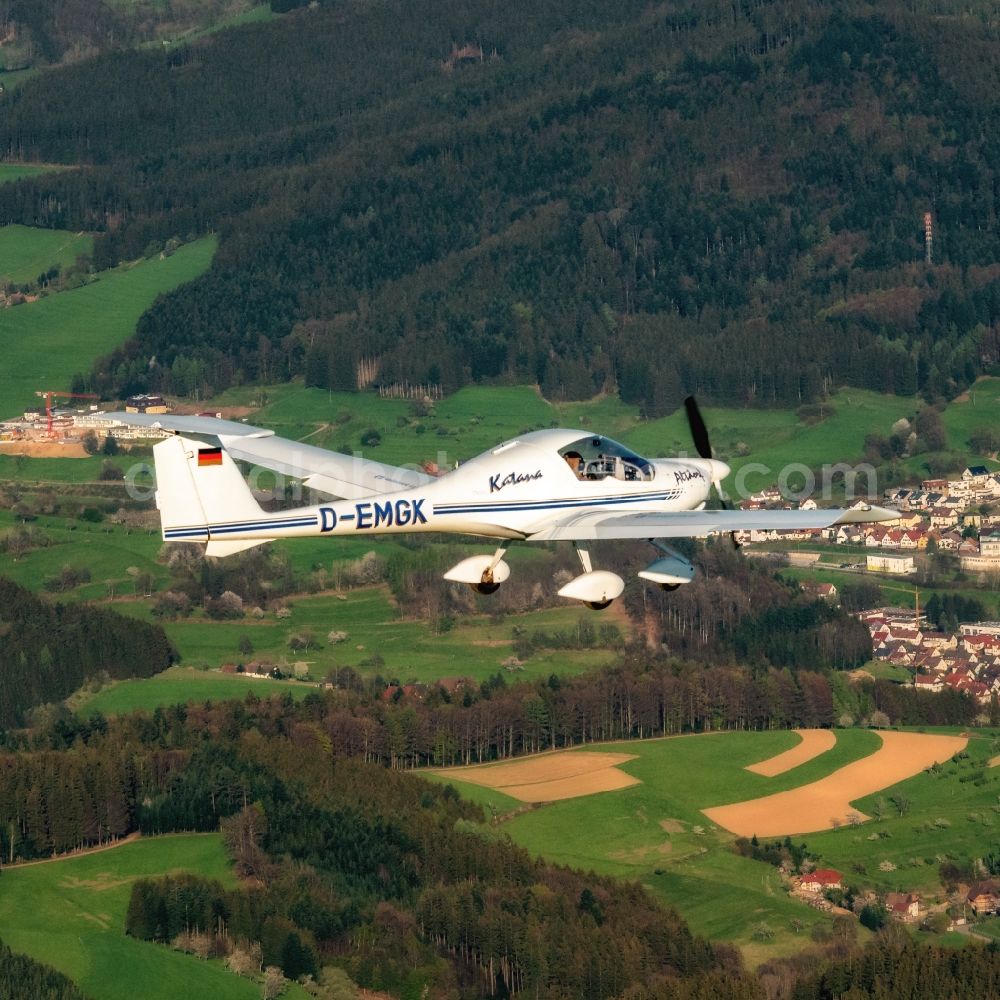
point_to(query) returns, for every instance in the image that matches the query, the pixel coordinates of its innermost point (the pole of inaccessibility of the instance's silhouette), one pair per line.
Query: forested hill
(48, 651)
(38, 33)
(725, 198)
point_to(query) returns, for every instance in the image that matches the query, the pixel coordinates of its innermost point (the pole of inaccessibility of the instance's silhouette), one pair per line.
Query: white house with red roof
(822, 878)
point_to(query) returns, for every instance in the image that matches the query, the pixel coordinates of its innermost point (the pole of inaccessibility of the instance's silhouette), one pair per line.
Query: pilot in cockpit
(575, 461)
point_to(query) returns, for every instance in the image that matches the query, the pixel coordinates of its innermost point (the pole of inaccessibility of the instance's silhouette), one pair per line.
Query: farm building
(984, 898)
(822, 878)
(903, 905)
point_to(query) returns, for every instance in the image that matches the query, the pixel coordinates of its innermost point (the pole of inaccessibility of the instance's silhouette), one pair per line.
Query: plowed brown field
(826, 803)
(564, 775)
(814, 742)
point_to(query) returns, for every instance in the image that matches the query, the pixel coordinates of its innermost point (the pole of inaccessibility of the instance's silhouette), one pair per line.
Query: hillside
(37, 34)
(720, 199)
(48, 651)
(48, 342)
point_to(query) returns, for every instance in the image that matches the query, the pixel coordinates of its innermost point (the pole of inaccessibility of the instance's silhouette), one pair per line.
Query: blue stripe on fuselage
(530, 505)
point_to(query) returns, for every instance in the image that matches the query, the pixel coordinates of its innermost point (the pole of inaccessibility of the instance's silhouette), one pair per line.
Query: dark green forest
(48, 651)
(725, 199)
(22, 977)
(894, 968)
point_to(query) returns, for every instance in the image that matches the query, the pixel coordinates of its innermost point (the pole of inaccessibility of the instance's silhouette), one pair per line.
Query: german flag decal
(209, 456)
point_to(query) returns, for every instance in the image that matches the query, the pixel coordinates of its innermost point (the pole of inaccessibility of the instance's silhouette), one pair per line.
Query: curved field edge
(826, 804)
(70, 913)
(618, 832)
(45, 343)
(945, 815)
(654, 832)
(813, 743)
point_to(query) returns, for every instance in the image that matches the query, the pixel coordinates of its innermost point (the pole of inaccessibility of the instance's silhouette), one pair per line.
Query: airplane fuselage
(492, 496)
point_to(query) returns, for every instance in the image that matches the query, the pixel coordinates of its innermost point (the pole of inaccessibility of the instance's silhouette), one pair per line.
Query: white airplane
(542, 486)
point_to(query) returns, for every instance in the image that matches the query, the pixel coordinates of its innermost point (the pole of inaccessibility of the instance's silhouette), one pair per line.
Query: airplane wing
(700, 523)
(347, 476)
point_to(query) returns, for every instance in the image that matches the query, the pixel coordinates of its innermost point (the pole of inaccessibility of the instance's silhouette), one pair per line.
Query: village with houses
(824, 889)
(941, 516)
(966, 661)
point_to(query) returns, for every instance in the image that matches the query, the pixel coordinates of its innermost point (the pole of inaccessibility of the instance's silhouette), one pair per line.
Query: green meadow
(974, 410)
(70, 914)
(108, 551)
(181, 685)
(15, 171)
(378, 643)
(49, 471)
(26, 252)
(655, 832)
(45, 343)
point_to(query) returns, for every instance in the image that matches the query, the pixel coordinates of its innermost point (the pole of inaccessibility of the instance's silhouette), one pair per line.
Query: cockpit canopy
(598, 457)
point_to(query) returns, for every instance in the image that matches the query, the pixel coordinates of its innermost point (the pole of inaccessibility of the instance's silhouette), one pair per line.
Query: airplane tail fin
(199, 491)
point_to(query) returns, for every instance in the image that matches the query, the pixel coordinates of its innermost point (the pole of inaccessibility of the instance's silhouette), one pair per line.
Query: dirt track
(826, 803)
(564, 775)
(814, 742)
(43, 449)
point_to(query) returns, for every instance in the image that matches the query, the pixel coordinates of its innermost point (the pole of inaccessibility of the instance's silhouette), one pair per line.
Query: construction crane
(49, 394)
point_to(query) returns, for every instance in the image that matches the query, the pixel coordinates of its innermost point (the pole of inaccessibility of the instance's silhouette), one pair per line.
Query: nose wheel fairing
(598, 588)
(670, 571)
(483, 573)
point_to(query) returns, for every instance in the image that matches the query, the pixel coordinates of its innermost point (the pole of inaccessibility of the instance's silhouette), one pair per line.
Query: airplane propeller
(702, 444)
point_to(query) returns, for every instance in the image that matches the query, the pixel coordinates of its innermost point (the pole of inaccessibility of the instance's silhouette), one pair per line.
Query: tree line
(647, 213)
(48, 651)
(52, 801)
(21, 976)
(894, 967)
